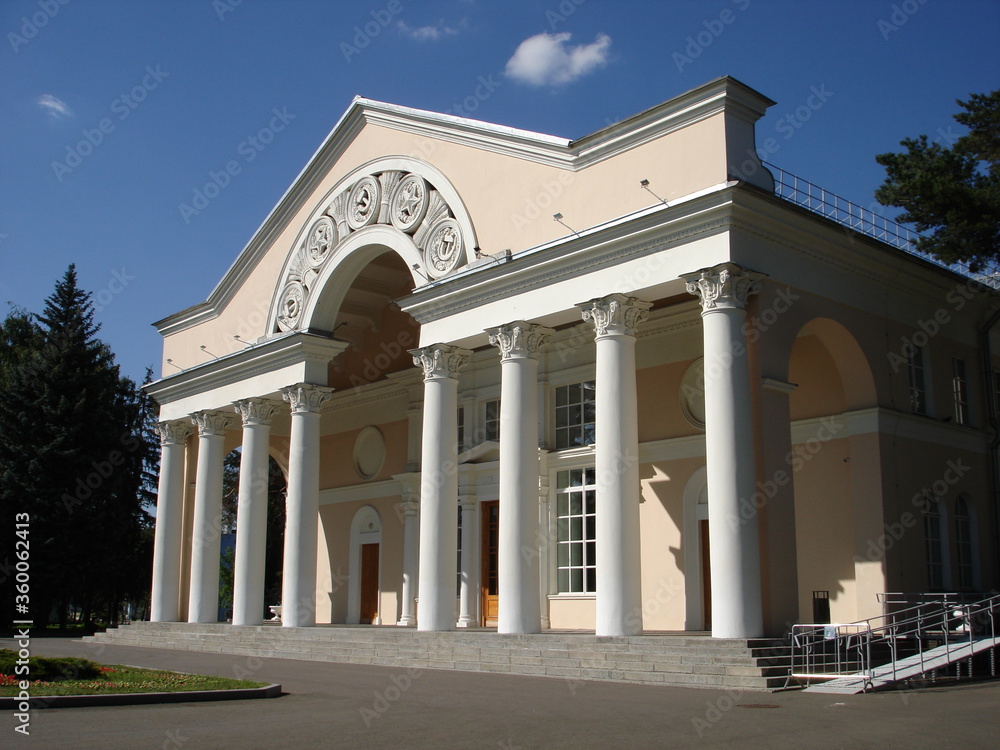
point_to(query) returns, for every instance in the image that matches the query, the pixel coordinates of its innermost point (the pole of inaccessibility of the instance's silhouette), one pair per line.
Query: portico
(486, 421)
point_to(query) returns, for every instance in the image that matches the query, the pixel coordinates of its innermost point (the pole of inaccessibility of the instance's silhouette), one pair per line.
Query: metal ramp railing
(908, 640)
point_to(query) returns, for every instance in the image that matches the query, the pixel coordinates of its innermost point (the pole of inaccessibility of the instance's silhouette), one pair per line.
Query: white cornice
(641, 234)
(269, 356)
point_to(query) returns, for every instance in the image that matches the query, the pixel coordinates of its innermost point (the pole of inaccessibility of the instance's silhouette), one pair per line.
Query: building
(658, 386)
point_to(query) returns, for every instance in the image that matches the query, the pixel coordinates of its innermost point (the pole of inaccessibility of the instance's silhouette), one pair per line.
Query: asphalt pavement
(329, 705)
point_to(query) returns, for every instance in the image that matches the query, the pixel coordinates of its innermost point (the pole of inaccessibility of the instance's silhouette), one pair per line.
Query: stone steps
(678, 660)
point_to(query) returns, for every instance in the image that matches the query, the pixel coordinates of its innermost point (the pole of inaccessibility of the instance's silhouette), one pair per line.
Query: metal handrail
(829, 651)
(864, 220)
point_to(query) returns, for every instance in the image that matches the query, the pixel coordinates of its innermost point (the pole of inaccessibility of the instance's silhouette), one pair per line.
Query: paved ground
(349, 706)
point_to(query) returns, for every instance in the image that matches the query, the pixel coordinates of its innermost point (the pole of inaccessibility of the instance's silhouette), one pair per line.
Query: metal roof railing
(867, 222)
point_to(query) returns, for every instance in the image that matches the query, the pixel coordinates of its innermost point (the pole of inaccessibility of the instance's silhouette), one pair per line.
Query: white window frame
(576, 536)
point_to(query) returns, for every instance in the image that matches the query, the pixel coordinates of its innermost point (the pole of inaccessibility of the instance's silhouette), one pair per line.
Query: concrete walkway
(351, 706)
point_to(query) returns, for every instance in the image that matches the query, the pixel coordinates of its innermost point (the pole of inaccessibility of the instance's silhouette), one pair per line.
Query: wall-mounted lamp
(559, 218)
(245, 343)
(644, 184)
(202, 347)
(171, 362)
(416, 267)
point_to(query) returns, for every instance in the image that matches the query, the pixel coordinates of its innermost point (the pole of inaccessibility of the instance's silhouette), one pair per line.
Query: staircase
(682, 660)
(930, 636)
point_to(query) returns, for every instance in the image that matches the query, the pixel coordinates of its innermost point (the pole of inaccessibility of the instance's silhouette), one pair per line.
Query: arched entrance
(364, 584)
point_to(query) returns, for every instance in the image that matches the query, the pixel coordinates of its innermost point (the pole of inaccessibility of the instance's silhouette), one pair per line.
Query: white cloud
(54, 106)
(426, 33)
(547, 59)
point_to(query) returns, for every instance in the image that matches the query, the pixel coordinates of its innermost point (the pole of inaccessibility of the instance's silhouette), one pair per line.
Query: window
(963, 544)
(932, 537)
(576, 516)
(461, 429)
(918, 381)
(996, 392)
(491, 420)
(960, 391)
(575, 410)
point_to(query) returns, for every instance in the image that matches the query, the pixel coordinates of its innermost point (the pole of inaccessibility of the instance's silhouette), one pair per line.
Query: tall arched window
(964, 543)
(934, 546)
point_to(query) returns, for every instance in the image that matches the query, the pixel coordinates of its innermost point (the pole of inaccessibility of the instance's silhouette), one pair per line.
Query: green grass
(73, 676)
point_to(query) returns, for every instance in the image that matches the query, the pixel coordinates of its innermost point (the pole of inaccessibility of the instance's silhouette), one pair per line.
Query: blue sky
(170, 91)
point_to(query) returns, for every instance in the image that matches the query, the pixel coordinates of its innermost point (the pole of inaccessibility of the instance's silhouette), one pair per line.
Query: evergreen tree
(72, 455)
(952, 191)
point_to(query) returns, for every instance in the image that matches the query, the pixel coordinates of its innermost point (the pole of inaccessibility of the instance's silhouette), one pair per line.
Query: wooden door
(369, 583)
(706, 576)
(491, 544)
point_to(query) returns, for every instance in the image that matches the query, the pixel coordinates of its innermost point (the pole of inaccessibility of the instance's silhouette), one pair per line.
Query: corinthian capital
(173, 433)
(255, 411)
(616, 314)
(213, 423)
(725, 286)
(306, 397)
(440, 360)
(519, 340)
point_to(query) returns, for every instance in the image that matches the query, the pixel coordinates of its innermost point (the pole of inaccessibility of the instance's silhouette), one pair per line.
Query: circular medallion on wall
(363, 205)
(445, 249)
(290, 306)
(408, 204)
(322, 237)
(369, 452)
(692, 393)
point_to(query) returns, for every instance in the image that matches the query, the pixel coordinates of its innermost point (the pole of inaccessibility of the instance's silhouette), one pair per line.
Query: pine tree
(952, 190)
(72, 453)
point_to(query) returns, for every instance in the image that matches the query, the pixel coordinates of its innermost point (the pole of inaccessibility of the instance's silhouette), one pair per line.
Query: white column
(203, 602)
(729, 446)
(165, 600)
(411, 541)
(619, 590)
(466, 610)
(298, 576)
(439, 485)
(517, 576)
(251, 512)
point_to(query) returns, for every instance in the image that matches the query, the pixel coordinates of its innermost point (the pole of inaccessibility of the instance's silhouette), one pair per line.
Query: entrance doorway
(491, 543)
(369, 583)
(706, 575)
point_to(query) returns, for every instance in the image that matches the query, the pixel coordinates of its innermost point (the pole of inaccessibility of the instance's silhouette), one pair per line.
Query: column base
(465, 622)
(407, 621)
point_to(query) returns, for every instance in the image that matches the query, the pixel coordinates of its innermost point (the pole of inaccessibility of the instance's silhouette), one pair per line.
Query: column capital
(440, 361)
(725, 286)
(615, 315)
(519, 339)
(410, 506)
(468, 501)
(306, 398)
(213, 423)
(255, 411)
(174, 433)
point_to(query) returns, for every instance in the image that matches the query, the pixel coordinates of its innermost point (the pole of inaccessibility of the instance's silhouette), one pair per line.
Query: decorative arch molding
(366, 528)
(395, 203)
(853, 365)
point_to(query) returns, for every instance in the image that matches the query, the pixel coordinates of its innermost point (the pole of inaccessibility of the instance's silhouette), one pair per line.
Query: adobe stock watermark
(30, 26)
(224, 7)
(901, 13)
(116, 285)
(796, 459)
(703, 39)
(561, 13)
(927, 328)
(921, 501)
(385, 699)
(365, 34)
(249, 149)
(122, 106)
(469, 104)
(786, 126)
